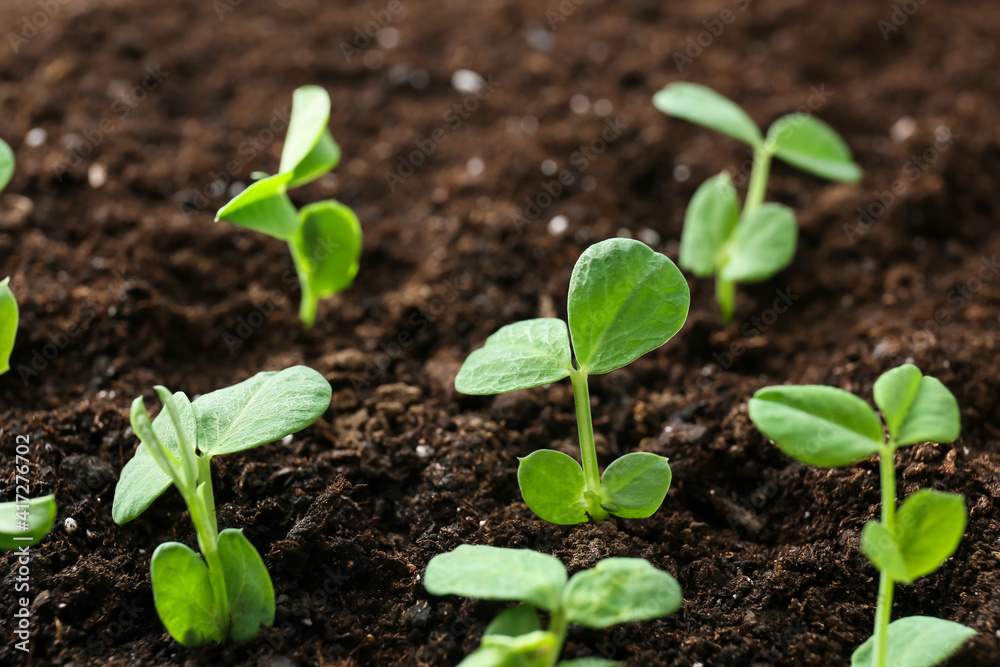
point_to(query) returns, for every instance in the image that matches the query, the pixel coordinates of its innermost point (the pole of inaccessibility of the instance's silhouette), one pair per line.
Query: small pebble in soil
(97, 175)
(388, 37)
(475, 166)
(649, 236)
(287, 440)
(603, 107)
(425, 451)
(467, 81)
(549, 167)
(529, 125)
(538, 37)
(681, 173)
(903, 129)
(35, 137)
(579, 103)
(70, 525)
(558, 224)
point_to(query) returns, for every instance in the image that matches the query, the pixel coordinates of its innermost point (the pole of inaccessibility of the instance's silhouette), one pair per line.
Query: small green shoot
(6, 164)
(831, 428)
(8, 324)
(324, 238)
(617, 590)
(228, 595)
(26, 521)
(624, 301)
(754, 244)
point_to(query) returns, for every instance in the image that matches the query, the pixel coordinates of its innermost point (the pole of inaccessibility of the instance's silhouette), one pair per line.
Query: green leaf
(928, 528)
(264, 207)
(514, 622)
(552, 486)
(820, 426)
(635, 485)
(624, 301)
(916, 641)
(265, 408)
(620, 590)
(589, 662)
(6, 164)
(492, 573)
(878, 544)
(709, 221)
(518, 356)
(324, 156)
(182, 593)
(811, 145)
(329, 244)
(142, 481)
(917, 408)
(762, 245)
(35, 520)
(8, 324)
(309, 150)
(703, 106)
(534, 649)
(248, 585)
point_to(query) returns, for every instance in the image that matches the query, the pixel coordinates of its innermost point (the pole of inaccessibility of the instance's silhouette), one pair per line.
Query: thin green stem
(758, 179)
(588, 448)
(308, 303)
(558, 625)
(883, 612)
(725, 294)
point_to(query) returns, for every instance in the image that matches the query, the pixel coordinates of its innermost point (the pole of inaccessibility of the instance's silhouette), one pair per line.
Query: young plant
(617, 590)
(6, 164)
(8, 324)
(624, 301)
(228, 595)
(831, 428)
(754, 244)
(25, 521)
(324, 238)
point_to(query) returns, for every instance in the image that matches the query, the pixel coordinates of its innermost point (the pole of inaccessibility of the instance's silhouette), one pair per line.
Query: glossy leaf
(264, 207)
(709, 222)
(32, 520)
(916, 641)
(515, 621)
(518, 356)
(309, 150)
(703, 106)
(182, 593)
(492, 573)
(248, 585)
(6, 164)
(811, 145)
(635, 485)
(620, 590)
(929, 526)
(819, 426)
(762, 245)
(917, 408)
(9, 316)
(552, 485)
(624, 301)
(329, 242)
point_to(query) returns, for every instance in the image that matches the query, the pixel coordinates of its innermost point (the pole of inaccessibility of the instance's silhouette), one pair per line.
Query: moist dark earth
(124, 281)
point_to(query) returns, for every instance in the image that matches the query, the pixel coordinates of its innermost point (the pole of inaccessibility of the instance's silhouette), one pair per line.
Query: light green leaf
(324, 156)
(708, 223)
(620, 590)
(880, 547)
(8, 324)
(31, 520)
(624, 301)
(552, 486)
(534, 649)
(820, 426)
(514, 622)
(917, 408)
(6, 164)
(264, 207)
(265, 408)
(703, 106)
(762, 245)
(248, 585)
(182, 593)
(635, 485)
(329, 244)
(811, 145)
(518, 356)
(916, 641)
(309, 150)
(928, 528)
(492, 573)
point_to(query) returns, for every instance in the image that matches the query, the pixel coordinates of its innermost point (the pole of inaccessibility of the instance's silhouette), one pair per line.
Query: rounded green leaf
(6, 164)
(8, 324)
(324, 156)
(916, 641)
(820, 426)
(703, 106)
(879, 545)
(307, 129)
(329, 243)
(24, 524)
(917, 408)
(635, 485)
(763, 244)
(928, 528)
(248, 585)
(492, 573)
(535, 649)
(624, 301)
(264, 207)
(620, 590)
(182, 594)
(708, 223)
(811, 145)
(552, 486)
(514, 622)
(518, 356)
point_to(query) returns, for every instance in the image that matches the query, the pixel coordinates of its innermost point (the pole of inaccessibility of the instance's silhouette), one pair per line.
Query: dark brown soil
(131, 284)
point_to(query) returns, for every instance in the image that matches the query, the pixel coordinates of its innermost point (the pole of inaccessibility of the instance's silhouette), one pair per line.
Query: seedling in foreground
(8, 324)
(617, 590)
(831, 428)
(26, 521)
(228, 595)
(749, 246)
(324, 238)
(624, 301)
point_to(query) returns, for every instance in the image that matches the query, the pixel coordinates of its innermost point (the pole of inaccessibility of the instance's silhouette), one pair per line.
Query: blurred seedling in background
(8, 324)
(24, 521)
(831, 428)
(754, 244)
(324, 238)
(6, 164)
(624, 301)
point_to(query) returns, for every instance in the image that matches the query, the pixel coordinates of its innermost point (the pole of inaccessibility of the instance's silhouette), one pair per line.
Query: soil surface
(136, 111)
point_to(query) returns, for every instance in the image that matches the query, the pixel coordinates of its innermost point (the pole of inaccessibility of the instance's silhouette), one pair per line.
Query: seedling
(6, 164)
(324, 238)
(624, 301)
(25, 521)
(228, 595)
(8, 324)
(831, 428)
(753, 245)
(617, 590)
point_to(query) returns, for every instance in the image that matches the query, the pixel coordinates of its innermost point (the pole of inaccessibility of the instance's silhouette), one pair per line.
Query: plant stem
(557, 626)
(588, 448)
(758, 179)
(725, 294)
(307, 306)
(883, 612)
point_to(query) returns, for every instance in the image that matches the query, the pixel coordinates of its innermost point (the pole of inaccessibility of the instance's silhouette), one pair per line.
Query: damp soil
(125, 282)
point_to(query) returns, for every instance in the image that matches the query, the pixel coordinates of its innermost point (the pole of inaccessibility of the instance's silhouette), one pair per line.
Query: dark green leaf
(635, 485)
(329, 241)
(182, 593)
(708, 224)
(620, 590)
(916, 641)
(928, 528)
(248, 585)
(762, 245)
(31, 520)
(518, 356)
(552, 486)
(811, 145)
(917, 408)
(703, 106)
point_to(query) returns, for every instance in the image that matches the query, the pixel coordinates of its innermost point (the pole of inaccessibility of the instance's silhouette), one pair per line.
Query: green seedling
(831, 428)
(617, 590)
(6, 164)
(324, 238)
(228, 595)
(8, 324)
(624, 301)
(754, 244)
(25, 521)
